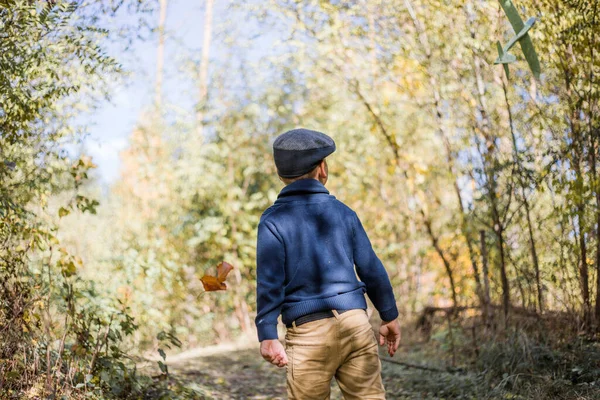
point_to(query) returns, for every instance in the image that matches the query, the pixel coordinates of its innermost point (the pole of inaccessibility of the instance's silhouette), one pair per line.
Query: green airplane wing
(513, 16)
(519, 36)
(503, 60)
(531, 56)
(526, 43)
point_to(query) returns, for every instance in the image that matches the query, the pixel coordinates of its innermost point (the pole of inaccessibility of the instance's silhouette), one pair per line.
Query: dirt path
(232, 374)
(238, 372)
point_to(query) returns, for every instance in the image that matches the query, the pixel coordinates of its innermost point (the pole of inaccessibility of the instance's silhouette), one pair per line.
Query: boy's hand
(273, 352)
(389, 333)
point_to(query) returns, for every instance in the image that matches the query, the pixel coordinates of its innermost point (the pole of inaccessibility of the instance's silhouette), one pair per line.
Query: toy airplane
(522, 37)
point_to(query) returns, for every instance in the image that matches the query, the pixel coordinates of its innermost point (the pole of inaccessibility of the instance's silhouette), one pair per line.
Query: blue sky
(110, 124)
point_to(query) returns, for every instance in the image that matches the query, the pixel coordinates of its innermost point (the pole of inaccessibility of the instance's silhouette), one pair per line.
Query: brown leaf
(222, 270)
(212, 284)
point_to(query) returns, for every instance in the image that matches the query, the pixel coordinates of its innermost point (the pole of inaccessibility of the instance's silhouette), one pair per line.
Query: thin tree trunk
(423, 39)
(463, 224)
(563, 266)
(503, 275)
(522, 183)
(583, 267)
(413, 271)
(371, 9)
(484, 124)
(160, 54)
(486, 274)
(594, 148)
(488, 159)
(438, 249)
(241, 307)
(594, 177)
(598, 258)
(534, 256)
(208, 17)
(414, 191)
(481, 100)
(577, 154)
(490, 166)
(451, 336)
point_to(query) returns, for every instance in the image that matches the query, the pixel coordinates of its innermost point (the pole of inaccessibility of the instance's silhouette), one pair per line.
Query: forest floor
(237, 371)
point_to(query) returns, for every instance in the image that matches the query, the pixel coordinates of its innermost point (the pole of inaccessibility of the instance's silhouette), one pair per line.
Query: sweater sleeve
(370, 270)
(270, 276)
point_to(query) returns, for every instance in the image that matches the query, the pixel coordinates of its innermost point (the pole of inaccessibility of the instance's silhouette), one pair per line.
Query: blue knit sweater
(308, 245)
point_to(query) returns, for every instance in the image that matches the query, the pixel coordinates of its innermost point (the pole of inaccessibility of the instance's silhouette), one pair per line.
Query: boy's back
(315, 240)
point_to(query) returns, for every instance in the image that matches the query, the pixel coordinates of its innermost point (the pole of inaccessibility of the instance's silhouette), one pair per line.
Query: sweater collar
(303, 186)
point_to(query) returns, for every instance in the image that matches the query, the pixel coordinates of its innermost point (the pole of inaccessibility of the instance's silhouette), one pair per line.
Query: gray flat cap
(299, 151)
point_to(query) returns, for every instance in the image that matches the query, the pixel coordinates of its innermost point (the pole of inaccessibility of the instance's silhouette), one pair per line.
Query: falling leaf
(223, 269)
(212, 283)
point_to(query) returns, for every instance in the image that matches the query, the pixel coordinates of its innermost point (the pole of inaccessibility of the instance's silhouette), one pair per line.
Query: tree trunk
(583, 264)
(598, 257)
(534, 256)
(423, 39)
(438, 249)
(208, 17)
(160, 55)
(485, 127)
(241, 307)
(576, 157)
(371, 9)
(523, 185)
(503, 275)
(483, 124)
(583, 267)
(594, 152)
(594, 149)
(486, 275)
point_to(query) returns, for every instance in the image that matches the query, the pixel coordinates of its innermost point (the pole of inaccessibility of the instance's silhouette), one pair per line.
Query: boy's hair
(309, 175)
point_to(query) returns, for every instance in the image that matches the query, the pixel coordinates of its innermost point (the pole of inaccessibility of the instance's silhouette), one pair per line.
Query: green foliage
(58, 333)
(435, 147)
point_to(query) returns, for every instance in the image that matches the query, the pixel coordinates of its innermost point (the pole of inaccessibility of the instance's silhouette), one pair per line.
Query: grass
(531, 359)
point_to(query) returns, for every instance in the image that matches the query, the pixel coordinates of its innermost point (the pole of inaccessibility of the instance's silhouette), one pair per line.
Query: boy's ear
(323, 168)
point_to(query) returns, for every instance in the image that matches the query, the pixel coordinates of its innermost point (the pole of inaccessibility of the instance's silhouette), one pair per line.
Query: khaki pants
(343, 347)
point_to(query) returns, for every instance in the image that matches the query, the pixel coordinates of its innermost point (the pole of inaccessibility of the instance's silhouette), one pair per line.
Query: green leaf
(68, 268)
(163, 367)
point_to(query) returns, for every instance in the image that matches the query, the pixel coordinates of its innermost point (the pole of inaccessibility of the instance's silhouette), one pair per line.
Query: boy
(307, 249)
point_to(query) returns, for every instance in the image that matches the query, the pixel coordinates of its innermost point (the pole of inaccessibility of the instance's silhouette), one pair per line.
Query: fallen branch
(424, 321)
(423, 367)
